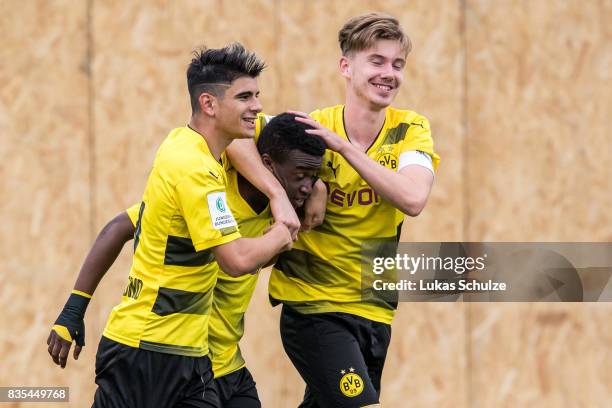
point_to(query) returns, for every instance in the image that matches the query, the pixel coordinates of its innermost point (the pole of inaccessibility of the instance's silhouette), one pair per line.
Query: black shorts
(340, 356)
(237, 390)
(132, 377)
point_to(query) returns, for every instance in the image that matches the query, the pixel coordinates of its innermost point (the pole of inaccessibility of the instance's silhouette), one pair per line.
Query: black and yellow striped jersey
(184, 213)
(323, 271)
(231, 296)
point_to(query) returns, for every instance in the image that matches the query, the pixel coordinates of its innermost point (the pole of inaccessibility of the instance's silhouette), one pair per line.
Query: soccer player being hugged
(154, 349)
(380, 165)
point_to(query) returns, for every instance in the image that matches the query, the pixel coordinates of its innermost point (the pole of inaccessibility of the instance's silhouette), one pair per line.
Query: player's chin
(382, 101)
(247, 133)
(297, 203)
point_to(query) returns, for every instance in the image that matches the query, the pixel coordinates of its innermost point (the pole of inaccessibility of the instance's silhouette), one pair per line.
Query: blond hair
(360, 33)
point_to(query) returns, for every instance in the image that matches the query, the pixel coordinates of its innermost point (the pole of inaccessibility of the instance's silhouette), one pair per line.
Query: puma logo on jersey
(333, 169)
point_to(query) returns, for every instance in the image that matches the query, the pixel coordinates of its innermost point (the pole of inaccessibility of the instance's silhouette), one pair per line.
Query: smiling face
(296, 174)
(237, 108)
(375, 74)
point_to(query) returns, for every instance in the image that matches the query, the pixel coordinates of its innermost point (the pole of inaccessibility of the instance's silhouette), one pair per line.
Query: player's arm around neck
(245, 158)
(247, 255)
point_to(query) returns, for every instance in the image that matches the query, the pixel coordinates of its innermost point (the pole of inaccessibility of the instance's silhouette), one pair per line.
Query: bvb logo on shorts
(351, 384)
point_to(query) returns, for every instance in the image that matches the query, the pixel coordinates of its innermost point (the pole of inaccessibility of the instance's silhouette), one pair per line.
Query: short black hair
(283, 134)
(210, 68)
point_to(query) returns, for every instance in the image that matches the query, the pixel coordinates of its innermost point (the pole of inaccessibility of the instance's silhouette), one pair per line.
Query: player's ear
(344, 66)
(208, 103)
(267, 161)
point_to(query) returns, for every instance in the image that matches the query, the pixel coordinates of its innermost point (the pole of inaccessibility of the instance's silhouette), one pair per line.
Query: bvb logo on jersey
(387, 158)
(220, 204)
(351, 384)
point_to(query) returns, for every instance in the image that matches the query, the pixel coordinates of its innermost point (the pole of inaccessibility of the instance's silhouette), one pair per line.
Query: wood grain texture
(538, 157)
(44, 179)
(539, 93)
(549, 355)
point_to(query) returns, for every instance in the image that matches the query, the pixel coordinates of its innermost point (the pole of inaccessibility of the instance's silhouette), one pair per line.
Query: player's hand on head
(332, 140)
(283, 212)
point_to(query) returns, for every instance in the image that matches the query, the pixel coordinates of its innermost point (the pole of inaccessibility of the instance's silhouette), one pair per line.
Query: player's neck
(362, 123)
(216, 140)
(253, 197)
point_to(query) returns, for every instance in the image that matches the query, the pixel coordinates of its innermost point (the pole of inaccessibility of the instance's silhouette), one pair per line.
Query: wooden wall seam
(91, 130)
(466, 193)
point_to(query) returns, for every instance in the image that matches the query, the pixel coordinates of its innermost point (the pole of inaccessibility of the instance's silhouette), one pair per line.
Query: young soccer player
(379, 166)
(154, 349)
(294, 157)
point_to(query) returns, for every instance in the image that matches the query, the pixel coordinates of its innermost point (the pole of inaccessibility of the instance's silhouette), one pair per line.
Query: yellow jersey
(168, 299)
(323, 272)
(231, 296)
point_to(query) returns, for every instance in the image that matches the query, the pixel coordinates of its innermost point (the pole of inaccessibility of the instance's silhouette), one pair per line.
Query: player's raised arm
(242, 153)
(69, 325)
(407, 189)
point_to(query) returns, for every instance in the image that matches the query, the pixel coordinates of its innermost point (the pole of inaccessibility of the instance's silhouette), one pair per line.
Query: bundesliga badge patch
(220, 214)
(351, 384)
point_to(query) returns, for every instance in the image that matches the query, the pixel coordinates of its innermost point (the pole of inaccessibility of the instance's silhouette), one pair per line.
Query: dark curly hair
(283, 134)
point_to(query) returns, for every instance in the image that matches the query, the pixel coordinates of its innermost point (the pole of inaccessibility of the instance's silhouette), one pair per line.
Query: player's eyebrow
(375, 56)
(308, 167)
(382, 57)
(246, 93)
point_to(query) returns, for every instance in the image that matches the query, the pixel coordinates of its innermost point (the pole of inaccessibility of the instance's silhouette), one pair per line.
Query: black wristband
(72, 316)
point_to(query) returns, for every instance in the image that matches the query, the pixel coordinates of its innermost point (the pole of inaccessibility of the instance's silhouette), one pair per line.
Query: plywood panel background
(44, 179)
(517, 93)
(538, 163)
(538, 153)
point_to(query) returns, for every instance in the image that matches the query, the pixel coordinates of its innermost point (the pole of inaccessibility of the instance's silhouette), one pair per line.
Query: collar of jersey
(377, 140)
(204, 145)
